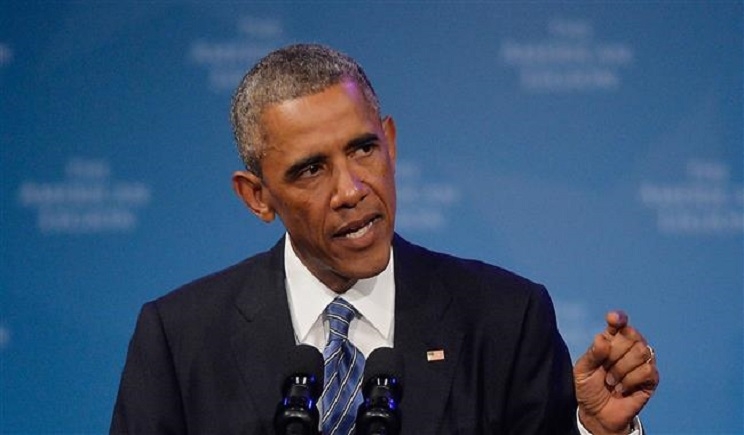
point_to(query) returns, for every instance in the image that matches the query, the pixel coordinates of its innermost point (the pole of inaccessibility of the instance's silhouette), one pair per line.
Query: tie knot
(339, 314)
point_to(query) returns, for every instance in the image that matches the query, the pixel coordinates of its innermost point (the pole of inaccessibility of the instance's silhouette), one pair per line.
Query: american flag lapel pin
(435, 355)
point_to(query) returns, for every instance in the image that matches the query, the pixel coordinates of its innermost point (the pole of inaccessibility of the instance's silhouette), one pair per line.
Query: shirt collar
(373, 298)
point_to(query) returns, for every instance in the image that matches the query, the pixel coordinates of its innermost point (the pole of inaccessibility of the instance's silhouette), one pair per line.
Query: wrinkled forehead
(296, 91)
(301, 101)
(338, 110)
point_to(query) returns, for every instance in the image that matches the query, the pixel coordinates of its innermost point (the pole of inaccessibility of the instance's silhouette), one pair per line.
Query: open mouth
(355, 231)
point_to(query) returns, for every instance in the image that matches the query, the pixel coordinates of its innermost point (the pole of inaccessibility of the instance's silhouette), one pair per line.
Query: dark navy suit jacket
(210, 356)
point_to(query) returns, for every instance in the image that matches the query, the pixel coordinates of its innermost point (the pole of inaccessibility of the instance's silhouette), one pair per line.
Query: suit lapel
(264, 334)
(424, 322)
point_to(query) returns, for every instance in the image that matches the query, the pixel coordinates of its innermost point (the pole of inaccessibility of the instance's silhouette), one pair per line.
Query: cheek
(308, 213)
(384, 181)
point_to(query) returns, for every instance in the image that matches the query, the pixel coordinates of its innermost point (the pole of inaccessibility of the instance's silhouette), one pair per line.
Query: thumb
(594, 357)
(599, 351)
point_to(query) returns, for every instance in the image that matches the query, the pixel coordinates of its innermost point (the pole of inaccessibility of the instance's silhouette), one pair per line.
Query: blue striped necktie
(344, 365)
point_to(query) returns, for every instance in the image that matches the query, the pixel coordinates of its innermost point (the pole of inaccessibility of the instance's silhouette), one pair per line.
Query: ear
(249, 187)
(388, 127)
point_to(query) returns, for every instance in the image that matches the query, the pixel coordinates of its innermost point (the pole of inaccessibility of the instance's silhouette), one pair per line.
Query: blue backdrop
(595, 147)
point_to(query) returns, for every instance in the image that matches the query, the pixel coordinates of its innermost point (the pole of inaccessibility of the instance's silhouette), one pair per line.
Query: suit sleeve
(149, 399)
(542, 400)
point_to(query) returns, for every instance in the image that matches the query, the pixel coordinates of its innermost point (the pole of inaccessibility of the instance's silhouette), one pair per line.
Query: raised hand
(615, 378)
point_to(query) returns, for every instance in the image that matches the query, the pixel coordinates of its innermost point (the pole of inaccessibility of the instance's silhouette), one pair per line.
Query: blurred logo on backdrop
(4, 337)
(706, 201)
(6, 54)
(570, 58)
(227, 61)
(576, 323)
(88, 199)
(422, 205)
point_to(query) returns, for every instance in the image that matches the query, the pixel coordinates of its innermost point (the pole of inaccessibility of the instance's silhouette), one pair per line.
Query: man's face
(328, 172)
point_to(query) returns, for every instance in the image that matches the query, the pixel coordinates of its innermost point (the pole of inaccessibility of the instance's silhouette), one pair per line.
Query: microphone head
(379, 413)
(385, 365)
(297, 412)
(306, 361)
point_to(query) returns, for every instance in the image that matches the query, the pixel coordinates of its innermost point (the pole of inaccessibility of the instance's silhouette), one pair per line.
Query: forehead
(326, 116)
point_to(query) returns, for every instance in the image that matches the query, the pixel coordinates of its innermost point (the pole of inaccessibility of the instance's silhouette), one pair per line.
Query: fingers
(619, 356)
(616, 320)
(630, 364)
(643, 378)
(636, 367)
(622, 342)
(604, 351)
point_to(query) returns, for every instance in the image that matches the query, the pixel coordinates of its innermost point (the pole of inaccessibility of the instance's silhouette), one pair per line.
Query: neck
(340, 285)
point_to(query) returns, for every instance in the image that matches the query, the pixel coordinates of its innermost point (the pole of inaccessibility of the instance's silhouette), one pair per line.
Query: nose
(350, 188)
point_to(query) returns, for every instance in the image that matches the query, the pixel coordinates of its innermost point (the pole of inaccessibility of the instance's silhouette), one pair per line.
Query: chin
(368, 269)
(364, 274)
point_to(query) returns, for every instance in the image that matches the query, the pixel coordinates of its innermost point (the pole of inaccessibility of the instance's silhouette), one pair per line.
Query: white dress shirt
(373, 298)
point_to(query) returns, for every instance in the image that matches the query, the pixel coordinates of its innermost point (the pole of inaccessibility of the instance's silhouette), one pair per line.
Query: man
(480, 345)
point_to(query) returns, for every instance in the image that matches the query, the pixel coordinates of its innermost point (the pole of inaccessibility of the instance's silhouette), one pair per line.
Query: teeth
(360, 232)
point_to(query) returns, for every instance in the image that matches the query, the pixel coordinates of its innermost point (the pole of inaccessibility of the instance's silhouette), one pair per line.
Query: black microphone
(383, 389)
(297, 412)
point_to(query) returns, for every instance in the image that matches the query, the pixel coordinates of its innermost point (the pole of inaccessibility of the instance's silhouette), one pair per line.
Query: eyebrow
(293, 171)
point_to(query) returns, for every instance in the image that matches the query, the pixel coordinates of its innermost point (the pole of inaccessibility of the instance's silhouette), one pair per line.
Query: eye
(364, 149)
(309, 170)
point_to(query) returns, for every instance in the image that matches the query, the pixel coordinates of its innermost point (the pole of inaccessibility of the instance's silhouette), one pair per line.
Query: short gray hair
(291, 72)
